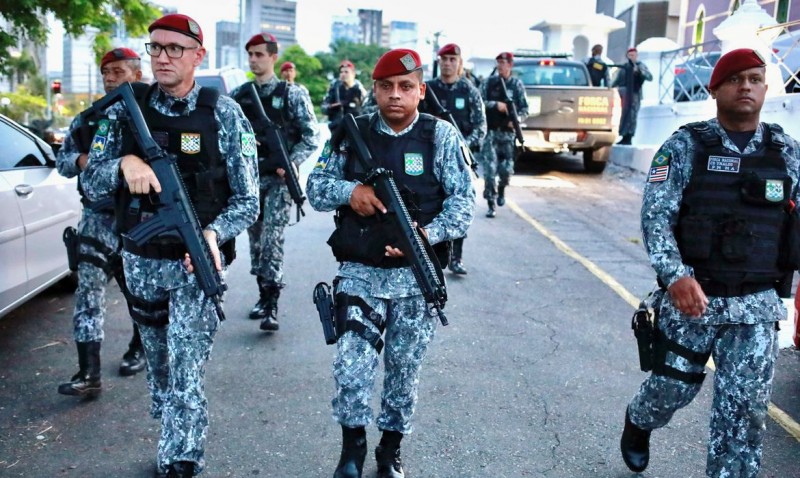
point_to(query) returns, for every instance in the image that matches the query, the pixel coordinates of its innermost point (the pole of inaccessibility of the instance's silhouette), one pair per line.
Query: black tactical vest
(456, 101)
(194, 139)
(350, 99)
(733, 218)
(494, 92)
(410, 158)
(597, 71)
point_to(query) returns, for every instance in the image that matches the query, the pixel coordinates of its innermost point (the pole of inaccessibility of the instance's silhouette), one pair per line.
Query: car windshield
(545, 74)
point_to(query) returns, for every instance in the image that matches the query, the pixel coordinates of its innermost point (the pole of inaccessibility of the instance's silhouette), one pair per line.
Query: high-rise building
(346, 27)
(81, 73)
(371, 24)
(227, 47)
(278, 17)
(403, 35)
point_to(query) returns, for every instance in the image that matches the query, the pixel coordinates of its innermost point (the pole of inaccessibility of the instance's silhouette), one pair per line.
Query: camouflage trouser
(90, 297)
(409, 330)
(497, 159)
(744, 356)
(176, 356)
(267, 235)
(630, 113)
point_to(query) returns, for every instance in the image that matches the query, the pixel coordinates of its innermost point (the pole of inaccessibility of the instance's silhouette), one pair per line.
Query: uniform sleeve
(326, 102)
(645, 72)
(520, 100)
(237, 146)
(306, 122)
(451, 170)
(67, 158)
(477, 117)
(102, 176)
(326, 187)
(661, 201)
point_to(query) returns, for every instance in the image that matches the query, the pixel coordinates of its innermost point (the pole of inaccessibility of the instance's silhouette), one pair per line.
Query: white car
(224, 79)
(37, 205)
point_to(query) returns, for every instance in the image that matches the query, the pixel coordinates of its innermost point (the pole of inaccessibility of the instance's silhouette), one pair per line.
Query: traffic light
(56, 87)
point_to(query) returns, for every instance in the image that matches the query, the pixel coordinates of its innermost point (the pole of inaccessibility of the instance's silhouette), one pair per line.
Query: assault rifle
(335, 119)
(441, 112)
(175, 213)
(268, 134)
(512, 111)
(416, 248)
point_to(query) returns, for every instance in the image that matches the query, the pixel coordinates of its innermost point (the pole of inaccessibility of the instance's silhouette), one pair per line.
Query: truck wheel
(595, 160)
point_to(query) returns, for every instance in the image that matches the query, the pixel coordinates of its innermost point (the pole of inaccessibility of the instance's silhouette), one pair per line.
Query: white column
(650, 52)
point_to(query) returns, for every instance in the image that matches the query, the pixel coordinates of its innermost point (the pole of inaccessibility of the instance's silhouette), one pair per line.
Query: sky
(480, 32)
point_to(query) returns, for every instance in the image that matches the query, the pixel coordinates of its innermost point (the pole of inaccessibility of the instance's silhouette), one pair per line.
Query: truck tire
(595, 160)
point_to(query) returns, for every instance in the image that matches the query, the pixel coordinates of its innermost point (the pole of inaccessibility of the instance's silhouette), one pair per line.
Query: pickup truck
(566, 113)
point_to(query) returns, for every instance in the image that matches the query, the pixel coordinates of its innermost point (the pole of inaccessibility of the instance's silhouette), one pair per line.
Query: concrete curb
(636, 157)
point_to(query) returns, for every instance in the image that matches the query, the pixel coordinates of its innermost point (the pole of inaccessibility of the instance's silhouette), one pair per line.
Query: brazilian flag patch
(322, 162)
(102, 127)
(661, 159)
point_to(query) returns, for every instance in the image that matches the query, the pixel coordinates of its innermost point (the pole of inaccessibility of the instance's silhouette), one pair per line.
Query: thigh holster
(152, 314)
(662, 344)
(342, 302)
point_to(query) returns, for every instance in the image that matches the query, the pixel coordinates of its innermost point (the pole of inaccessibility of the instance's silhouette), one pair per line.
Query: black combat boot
(181, 469)
(387, 454)
(259, 310)
(269, 321)
(635, 446)
(85, 383)
(354, 451)
(501, 195)
(626, 139)
(456, 266)
(133, 361)
(490, 212)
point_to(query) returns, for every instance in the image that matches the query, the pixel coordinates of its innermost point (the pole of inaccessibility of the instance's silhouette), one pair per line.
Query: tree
(363, 57)
(20, 105)
(25, 21)
(308, 71)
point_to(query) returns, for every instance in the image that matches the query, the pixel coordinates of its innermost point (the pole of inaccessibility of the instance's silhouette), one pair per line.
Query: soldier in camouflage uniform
(425, 156)
(98, 243)
(459, 97)
(288, 106)
(498, 148)
(345, 96)
(217, 159)
(630, 78)
(713, 187)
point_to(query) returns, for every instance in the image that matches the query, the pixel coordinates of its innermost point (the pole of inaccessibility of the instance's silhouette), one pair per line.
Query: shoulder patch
(248, 144)
(325, 156)
(99, 143)
(661, 159)
(102, 127)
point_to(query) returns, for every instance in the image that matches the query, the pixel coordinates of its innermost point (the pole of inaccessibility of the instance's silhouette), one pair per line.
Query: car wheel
(595, 160)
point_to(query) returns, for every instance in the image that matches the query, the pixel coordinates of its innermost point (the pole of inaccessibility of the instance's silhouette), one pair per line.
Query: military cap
(260, 39)
(506, 55)
(286, 66)
(633, 48)
(178, 23)
(449, 49)
(733, 62)
(118, 54)
(347, 64)
(400, 61)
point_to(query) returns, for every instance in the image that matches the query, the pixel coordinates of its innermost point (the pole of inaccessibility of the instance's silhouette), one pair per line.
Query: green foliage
(22, 102)
(26, 20)
(309, 72)
(363, 57)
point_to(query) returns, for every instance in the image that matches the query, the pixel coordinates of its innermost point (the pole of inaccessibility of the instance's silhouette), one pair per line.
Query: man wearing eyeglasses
(290, 108)
(215, 149)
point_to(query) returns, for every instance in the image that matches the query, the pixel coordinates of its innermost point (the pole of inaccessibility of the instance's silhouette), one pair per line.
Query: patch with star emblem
(99, 143)
(414, 165)
(324, 157)
(190, 143)
(248, 144)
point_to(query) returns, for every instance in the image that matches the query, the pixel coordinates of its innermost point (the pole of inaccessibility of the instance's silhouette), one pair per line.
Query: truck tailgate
(569, 108)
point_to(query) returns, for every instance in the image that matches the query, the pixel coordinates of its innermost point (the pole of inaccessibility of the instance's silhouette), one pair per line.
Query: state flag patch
(658, 174)
(249, 147)
(190, 143)
(414, 165)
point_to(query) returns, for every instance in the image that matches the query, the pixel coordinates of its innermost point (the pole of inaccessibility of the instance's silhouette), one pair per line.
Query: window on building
(699, 26)
(782, 11)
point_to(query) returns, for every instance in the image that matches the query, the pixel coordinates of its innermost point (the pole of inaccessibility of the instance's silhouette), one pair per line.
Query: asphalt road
(530, 379)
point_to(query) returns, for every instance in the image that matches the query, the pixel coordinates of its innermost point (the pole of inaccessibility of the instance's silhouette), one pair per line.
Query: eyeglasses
(173, 51)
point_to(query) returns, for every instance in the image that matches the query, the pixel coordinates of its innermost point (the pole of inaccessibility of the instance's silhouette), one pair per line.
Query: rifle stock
(442, 112)
(175, 213)
(267, 132)
(416, 248)
(512, 112)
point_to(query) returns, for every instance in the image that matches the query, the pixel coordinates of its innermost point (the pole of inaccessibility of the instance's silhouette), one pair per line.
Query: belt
(720, 289)
(154, 250)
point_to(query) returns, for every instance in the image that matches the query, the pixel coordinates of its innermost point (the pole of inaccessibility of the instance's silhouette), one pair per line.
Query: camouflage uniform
(392, 293)
(630, 91)
(739, 332)
(267, 236)
(498, 146)
(177, 353)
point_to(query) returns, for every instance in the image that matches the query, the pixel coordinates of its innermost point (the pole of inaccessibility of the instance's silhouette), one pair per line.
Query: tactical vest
(410, 158)
(456, 101)
(194, 139)
(350, 99)
(597, 71)
(494, 92)
(733, 218)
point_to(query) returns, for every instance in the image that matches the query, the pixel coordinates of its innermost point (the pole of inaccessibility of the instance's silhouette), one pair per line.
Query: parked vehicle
(692, 76)
(223, 79)
(566, 113)
(38, 204)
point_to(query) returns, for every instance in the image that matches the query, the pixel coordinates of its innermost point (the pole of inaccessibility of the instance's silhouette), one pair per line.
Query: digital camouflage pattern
(477, 114)
(176, 354)
(393, 293)
(630, 95)
(738, 331)
(267, 236)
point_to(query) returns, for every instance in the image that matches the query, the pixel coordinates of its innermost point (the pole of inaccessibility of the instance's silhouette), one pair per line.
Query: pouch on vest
(765, 191)
(696, 237)
(354, 241)
(736, 239)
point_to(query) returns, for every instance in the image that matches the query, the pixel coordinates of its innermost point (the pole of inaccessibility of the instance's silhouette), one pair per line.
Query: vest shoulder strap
(428, 123)
(207, 97)
(701, 131)
(774, 136)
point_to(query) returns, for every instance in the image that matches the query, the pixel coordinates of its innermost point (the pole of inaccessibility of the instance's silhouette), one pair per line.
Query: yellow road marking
(781, 417)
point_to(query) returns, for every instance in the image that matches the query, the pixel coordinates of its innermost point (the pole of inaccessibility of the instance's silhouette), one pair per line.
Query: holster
(72, 242)
(644, 330)
(323, 299)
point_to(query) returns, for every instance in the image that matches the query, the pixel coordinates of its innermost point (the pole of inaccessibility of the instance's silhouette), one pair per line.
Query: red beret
(733, 62)
(449, 49)
(632, 49)
(396, 62)
(260, 39)
(506, 55)
(286, 65)
(347, 64)
(118, 54)
(178, 23)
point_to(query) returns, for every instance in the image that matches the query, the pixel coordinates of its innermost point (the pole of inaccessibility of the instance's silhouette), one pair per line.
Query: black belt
(720, 289)
(154, 250)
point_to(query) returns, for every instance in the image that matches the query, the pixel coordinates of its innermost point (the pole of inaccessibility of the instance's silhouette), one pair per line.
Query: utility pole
(241, 33)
